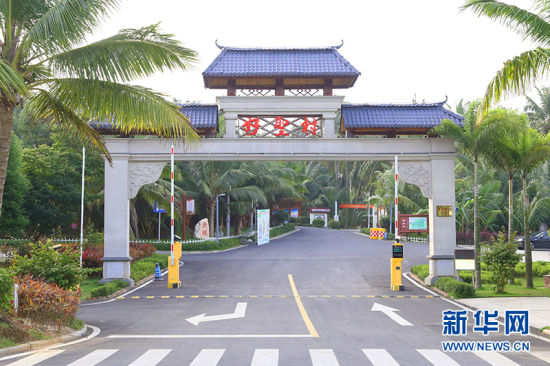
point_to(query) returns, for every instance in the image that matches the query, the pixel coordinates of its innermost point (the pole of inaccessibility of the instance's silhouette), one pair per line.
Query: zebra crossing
(265, 357)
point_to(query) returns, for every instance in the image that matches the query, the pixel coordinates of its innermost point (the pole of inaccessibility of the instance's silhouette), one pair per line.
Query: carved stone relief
(419, 174)
(142, 173)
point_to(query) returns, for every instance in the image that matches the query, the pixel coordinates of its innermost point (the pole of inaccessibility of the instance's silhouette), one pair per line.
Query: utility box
(174, 267)
(396, 271)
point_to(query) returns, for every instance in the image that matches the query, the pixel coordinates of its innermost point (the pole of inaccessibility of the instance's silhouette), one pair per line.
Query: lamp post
(228, 218)
(217, 217)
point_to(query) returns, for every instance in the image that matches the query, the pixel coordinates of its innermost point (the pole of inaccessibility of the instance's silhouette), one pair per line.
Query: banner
(263, 226)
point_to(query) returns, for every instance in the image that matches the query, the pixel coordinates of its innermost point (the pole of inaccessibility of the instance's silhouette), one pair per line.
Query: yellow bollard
(174, 268)
(396, 260)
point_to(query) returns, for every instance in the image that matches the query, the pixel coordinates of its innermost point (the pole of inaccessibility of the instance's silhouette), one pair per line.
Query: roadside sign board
(263, 226)
(190, 206)
(464, 259)
(158, 209)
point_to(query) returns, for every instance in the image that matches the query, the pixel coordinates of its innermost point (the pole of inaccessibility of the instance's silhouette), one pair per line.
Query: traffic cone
(158, 275)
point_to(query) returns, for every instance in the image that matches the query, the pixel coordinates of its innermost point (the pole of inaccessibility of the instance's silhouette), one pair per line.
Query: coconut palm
(502, 155)
(539, 113)
(45, 63)
(518, 74)
(532, 150)
(471, 138)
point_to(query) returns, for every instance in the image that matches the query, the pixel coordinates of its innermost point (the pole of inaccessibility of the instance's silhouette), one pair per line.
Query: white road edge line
(406, 275)
(95, 333)
(176, 336)
(129, 292)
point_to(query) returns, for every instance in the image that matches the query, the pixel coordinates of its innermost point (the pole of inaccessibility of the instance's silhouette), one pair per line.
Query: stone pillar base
(116, 268)
(440, 266)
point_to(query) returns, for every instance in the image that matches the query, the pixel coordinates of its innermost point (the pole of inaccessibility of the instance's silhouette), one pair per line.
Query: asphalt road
(338, 276)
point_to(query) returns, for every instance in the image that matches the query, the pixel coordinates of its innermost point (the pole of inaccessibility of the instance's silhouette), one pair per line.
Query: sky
(424, 49)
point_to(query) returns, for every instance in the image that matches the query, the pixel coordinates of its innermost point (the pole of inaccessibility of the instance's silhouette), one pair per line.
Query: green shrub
(318, 222)
(519, 270)
(421, 271)
(6, 289)
(303, 220)
(365, 230)
(501, 258)
(455, 288)
(146, 267)
(277, 231)
(108, 288)
(292, 220)
(279, 217)
(466, 276)
(59, 267)
(333, 224)
(540, 269)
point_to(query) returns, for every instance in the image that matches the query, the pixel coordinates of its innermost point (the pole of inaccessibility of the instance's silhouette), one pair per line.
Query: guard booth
(279, 105)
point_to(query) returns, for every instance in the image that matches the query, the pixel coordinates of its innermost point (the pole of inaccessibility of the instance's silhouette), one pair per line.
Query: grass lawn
(517, 289)
(87, 286)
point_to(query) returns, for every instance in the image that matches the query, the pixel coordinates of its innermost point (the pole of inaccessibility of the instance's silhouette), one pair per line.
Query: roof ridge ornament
(218, 45)
(339, 46)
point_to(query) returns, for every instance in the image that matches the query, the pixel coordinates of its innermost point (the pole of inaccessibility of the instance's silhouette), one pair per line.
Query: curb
(534, 330)
(285, 234)
(33, 346)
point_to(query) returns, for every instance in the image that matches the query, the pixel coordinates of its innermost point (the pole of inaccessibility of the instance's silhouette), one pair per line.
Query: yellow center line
(135, 297)
(180, 297)
(165, 297)
(307, 320)
(149, 297)
(223, 296)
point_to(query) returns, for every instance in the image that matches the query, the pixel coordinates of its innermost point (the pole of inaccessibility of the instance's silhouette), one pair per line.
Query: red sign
(413, 223)
(353, 205)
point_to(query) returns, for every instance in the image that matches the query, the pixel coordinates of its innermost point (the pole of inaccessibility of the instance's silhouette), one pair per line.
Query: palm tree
(518, 73)
(471, 139)
(532, 150)
(44, 64)
(502, 155)
(207, 179)
(539, 114)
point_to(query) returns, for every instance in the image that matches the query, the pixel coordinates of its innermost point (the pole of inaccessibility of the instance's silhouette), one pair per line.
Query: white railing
(413, 239)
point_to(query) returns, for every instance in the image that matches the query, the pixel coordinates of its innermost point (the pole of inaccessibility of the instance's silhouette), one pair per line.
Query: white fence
(413, 239)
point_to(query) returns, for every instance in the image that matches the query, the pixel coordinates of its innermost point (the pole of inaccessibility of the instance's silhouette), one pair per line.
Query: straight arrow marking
(391, 313)
(240, 310)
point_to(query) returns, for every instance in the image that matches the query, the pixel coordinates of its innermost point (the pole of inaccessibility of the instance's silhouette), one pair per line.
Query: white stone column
(116, 260)
(328, 127)
(442, 229)
(230, 125)
(436, 181)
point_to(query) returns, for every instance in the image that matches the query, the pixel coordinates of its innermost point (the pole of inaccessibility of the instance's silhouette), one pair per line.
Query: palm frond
(524, 22)
(133, 53)
(129, 108)
(66, 23)
(11, 82)
(45, 107)
(515, 77)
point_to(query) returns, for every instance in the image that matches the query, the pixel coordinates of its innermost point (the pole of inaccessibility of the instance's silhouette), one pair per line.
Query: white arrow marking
(391, 313)
(240, 309)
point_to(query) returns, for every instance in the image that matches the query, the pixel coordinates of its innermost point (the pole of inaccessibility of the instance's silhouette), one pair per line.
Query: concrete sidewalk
(539, 307)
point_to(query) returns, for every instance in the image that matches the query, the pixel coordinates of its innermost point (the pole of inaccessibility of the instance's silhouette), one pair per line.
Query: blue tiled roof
(200, 115)
(234, 62)
(397, 115)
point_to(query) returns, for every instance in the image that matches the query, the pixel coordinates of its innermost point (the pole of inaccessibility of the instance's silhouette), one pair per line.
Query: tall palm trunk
(477, 245)
(6, 118)
(134, 219)
(526, 231)
(211, 218)
(510, 218)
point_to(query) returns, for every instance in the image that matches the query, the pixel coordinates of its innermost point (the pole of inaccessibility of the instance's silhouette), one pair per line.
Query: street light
(217, 217)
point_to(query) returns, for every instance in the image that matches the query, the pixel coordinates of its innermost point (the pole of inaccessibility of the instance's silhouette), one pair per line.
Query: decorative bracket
(142, 173)
(418, 173)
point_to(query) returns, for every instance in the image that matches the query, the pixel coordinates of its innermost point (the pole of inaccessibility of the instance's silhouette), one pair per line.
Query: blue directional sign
(158, 209)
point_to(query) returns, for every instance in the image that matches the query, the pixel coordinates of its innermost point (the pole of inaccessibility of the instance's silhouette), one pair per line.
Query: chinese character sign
(281, 126)
(455, 322)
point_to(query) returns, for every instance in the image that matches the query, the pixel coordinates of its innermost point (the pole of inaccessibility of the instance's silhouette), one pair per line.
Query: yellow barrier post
(396, 260)
(174, 268)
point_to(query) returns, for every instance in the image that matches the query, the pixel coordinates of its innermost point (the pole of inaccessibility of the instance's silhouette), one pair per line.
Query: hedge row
(108, 288)
(280, 230)
(203, 246)
(455, 288)
(146, 267)
(448, 284)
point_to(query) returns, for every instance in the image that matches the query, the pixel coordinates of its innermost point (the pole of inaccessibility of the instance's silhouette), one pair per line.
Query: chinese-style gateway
(280, 105)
